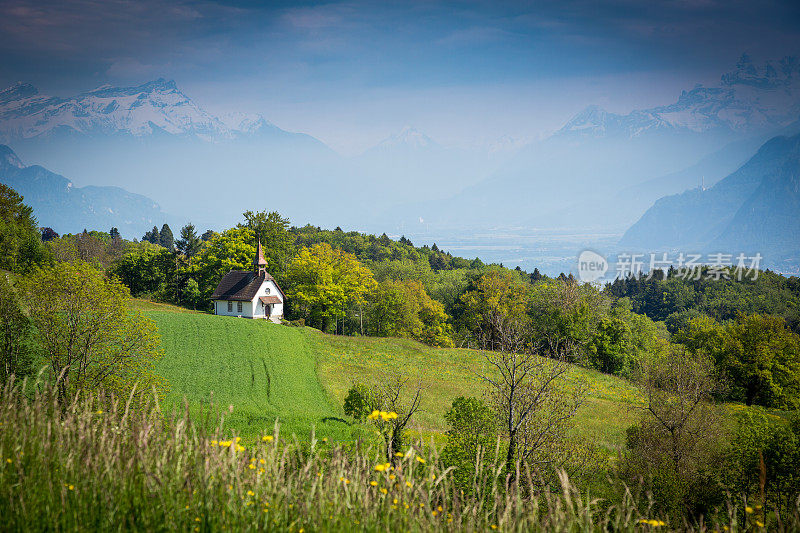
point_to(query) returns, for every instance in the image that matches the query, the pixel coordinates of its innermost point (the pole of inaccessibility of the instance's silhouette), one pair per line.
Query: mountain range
(753, 210)
(600, 171)
(600, 159)
(154, 107)
(58, 204)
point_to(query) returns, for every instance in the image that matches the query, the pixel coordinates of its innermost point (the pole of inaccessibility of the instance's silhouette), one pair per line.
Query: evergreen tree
(152, 236)
(207, 235)
(165, 238)
(189, 243)
(536, 276)
(114, 233)
(49, 234)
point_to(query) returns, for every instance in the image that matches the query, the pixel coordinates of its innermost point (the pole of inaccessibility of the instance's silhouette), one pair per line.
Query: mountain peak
(409, 137)
(765, 76)
(591, 120)
(17, 91)
(8, 158)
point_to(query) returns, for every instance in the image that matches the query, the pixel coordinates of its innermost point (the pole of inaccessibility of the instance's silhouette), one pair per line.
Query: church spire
(259, 263)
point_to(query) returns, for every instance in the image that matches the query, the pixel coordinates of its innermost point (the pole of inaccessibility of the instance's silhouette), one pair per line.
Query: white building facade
(250, 294)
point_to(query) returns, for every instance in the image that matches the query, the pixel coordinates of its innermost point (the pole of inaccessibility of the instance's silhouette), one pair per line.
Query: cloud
(129, 68)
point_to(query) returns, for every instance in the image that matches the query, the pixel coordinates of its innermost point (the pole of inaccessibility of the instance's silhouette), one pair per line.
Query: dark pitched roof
(241, 285)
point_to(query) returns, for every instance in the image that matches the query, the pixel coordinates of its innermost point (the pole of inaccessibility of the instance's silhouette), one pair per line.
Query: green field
(254, 372)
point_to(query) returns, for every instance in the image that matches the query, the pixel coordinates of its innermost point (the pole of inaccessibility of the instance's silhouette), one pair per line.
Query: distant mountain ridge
(154, 107)
(749, 99)
(754, 210)
(58, 204)
(602, 170)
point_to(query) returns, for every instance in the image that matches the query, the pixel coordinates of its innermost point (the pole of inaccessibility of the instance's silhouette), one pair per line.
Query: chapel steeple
(259, 263)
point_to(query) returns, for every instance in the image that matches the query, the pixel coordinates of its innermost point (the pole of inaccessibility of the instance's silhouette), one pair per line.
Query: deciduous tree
(323, 282)
(87, 332)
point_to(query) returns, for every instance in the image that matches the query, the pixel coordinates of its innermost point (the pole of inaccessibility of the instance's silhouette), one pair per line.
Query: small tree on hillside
(532, 394)
(87, 332)
(471, 440)
(390, 406)
(677, 440)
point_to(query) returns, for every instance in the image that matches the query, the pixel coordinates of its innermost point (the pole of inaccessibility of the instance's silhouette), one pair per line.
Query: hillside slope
(253, 371)
(301, 376)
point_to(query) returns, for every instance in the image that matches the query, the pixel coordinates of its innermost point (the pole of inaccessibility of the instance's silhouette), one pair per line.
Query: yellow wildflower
(399, 454)
(251, 493)
(759, 523)
(383, 467)
(373, 483)
(374, 415)
(392, 477)
(384, 491)
(408, 484)
(420, 459)
(748, 510)
(251, 466)
(267, 438)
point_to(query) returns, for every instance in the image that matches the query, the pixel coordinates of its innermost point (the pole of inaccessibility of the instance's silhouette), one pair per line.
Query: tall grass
(98, 464)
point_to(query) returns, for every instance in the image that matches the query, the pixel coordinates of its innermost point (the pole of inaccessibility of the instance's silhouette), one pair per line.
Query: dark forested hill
(755, 209)
(57, 203)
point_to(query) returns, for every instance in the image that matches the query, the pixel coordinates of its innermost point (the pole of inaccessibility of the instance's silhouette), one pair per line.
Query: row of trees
(352, 283)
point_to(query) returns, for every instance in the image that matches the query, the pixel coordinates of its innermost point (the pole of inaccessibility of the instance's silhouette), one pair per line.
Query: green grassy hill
(255, 371)
(252, 371)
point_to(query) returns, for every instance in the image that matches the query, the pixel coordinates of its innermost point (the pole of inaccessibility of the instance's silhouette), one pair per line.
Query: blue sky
(351, 73)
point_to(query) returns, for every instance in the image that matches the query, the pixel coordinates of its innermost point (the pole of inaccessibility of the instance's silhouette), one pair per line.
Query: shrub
(471, 439)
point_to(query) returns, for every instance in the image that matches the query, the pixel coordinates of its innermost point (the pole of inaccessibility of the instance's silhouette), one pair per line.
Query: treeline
(356, 284)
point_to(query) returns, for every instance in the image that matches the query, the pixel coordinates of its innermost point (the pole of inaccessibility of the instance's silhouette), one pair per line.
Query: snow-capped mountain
(750, 99)
(409, 137)
(574, 177)
(154, 107)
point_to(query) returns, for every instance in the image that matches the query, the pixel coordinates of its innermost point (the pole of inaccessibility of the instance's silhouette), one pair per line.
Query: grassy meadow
(254, 372)
(171, 466)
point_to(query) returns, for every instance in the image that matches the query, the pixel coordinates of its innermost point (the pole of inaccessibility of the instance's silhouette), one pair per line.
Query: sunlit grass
(96, 465)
